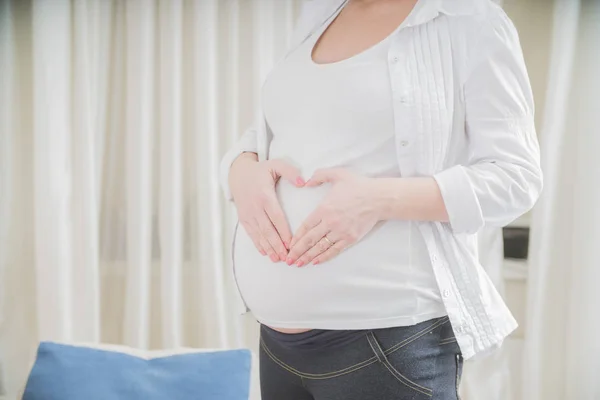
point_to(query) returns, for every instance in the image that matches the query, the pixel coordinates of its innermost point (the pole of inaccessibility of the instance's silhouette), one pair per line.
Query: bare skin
(253, 188)
(360, 25)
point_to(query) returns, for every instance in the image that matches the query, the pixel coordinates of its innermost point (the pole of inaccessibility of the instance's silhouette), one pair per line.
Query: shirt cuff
(462, 205)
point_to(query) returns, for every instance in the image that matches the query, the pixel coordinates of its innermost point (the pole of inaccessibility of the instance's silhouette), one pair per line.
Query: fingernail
(300, 181)
(300, 263)
(315, 262)
(263, 252)
(289, 261)
(274, 258)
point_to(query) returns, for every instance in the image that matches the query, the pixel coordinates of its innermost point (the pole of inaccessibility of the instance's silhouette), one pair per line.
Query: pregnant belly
(350, 286)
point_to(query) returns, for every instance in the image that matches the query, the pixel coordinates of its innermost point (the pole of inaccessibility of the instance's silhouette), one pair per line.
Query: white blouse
(463, 112)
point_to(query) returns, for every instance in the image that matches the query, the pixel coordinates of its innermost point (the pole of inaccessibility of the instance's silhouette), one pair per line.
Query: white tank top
(337, 115)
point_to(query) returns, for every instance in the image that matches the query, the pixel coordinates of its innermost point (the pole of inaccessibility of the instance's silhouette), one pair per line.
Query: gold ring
(328, 241)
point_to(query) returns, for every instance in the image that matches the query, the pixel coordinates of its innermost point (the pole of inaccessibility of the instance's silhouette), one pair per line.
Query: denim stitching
(327, 375)
(306, 374)
(403, 379)
(392, 370)
(302, 382)
(447, 341)
(372, 348)
(354, 367)
(414, 337)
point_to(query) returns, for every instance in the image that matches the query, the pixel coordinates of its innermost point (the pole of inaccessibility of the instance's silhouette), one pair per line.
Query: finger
(326, 175)
(268, 231)
(268, 249)
(288, 172)
(279, 221)
(321, 246)
(264, 243)
(331, 252)
(311, 221)
(306, 243)
(256, 238)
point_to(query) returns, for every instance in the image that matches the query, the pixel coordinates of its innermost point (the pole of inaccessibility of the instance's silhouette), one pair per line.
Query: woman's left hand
(346, 215)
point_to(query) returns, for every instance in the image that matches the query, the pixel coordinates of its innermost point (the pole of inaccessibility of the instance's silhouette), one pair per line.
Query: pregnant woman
(392, 131)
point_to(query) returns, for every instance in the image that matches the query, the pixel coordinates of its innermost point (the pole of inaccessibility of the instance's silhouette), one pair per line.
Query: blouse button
(404, 143)
(446, 293)
(394, 60)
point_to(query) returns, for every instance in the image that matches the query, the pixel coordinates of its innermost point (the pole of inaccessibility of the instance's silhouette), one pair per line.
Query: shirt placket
(406, 129)
(403, 103)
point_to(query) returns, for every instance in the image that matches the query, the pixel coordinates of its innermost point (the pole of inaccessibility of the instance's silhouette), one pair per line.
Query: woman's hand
(348, 212)
(252, 185)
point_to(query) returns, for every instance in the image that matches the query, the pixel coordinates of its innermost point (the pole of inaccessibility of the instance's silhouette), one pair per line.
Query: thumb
(321, 176)
(287, 171)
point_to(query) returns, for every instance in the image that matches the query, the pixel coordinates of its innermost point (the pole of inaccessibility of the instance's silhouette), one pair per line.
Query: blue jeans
(419, 362)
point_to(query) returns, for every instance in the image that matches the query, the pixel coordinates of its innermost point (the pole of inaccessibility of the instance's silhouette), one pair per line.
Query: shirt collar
(424, 11)
(428, 10)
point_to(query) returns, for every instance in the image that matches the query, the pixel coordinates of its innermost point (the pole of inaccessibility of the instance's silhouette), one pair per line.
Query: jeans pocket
(394, 370)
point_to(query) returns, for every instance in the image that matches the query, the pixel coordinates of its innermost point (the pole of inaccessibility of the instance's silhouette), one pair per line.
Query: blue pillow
(63, 372)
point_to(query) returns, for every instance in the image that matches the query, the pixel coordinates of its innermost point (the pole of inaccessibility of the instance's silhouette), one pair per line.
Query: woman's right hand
(252, 185)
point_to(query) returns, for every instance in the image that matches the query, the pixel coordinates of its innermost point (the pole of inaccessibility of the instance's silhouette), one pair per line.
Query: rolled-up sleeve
(502, 179)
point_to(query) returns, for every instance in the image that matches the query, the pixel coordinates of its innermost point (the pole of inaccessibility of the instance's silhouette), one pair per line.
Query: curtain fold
(171, 180)
(52, 163)
(7, 80)
(207, 203)
(139, 132)
(561, 350)
(84, 195)
(114, 117)
(18, 324)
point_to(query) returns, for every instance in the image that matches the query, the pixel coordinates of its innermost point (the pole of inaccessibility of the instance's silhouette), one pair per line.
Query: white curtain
(113, 117)
(562, 351)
